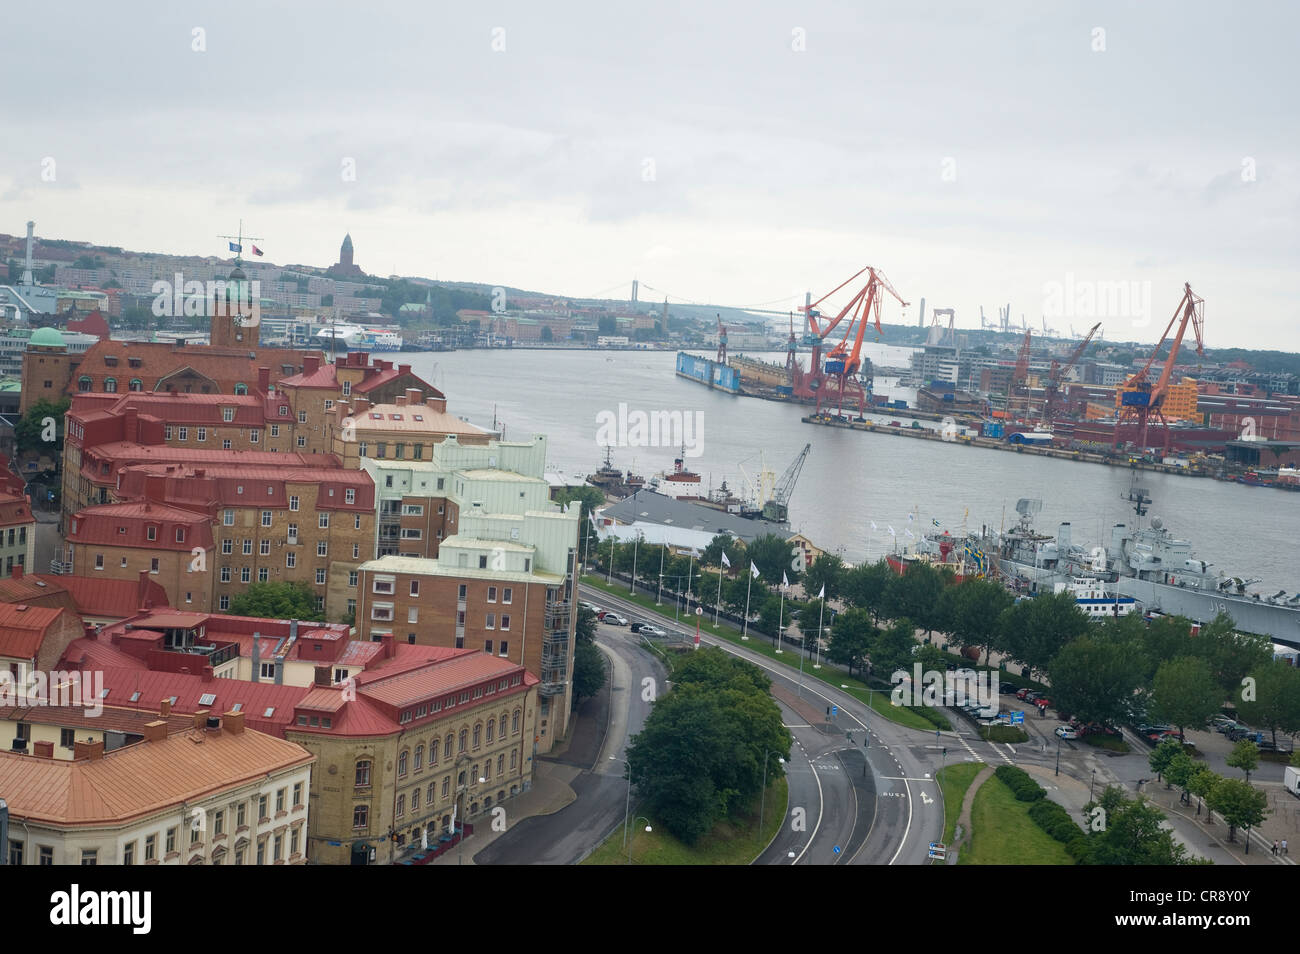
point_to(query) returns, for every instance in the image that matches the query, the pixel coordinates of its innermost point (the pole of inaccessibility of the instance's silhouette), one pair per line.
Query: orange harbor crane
(1142, 399)
(1052, 389)
(1019, 376)
(838, 374)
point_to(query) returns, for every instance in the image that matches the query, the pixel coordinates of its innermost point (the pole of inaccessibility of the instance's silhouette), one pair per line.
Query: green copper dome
(46, 338)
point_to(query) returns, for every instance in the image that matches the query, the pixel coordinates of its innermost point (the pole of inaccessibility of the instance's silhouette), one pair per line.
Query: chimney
(43, 750)
(438, 404)
(264, 380)
(323, 676)
(87, 750)
(155, 731)
(142, 587)
(233, 722)
(279, 670)
(131, 425)
(257, 657)
(310, 363)
(389, 650)
(200, 718)
(414, 396)
(400, 400)
(363, 405)
(404, 369)
(293, 630)
(88, 631)
(207, 673)
(17, 572)
(165, 708)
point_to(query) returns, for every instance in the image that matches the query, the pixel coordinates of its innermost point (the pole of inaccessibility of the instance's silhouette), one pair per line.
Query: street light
(627, 803)
(1091, 783)
(870, 698)
(629, 844)
(1058, 753)
(762, 801)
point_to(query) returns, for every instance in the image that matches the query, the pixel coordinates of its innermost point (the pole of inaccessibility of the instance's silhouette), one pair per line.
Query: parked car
(1066, 732)
(637, 626)
(648, 630)
(613, 619)
(1007, 688)
(1021, 693)
(591, 606)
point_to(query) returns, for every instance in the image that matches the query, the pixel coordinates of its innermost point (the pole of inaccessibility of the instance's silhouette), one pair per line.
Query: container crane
(1021, 373)
(1052, 389)
(839, 371)
(778, 508)
(1140, 398)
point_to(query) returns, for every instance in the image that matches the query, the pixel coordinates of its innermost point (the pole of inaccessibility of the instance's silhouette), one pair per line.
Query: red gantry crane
(1017, 388)
(722, 343)
(1141, 399)
(1052, 389)
(830, 380)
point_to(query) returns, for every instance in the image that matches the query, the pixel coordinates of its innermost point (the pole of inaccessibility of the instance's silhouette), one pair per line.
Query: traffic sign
(835, 710)
(836, 849)
(938, 850)
(1017, 718)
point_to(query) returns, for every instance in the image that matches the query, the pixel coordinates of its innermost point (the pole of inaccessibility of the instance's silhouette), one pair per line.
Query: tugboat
(611, 480)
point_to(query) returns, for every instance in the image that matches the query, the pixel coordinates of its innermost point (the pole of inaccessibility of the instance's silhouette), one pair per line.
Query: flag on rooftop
(236, 248)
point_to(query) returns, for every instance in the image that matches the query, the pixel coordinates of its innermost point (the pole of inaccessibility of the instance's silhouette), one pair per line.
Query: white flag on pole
(893, 532)
(753, 570)
(784, 582)
(725, 561)
(822, 594)
(873, 525)
(909, 533)
(910, 516)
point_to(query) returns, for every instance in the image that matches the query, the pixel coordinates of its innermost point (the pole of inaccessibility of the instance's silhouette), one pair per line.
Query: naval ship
(1147, 563)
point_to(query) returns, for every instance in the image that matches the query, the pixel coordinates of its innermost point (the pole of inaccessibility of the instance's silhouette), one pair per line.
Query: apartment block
(17, 532)
(405, 430)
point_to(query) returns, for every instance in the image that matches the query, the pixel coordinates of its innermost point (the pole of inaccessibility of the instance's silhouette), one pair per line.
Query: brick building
(17, 532)
(406, 429)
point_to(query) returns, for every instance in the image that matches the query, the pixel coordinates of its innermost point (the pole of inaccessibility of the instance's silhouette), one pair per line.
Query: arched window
(110, 385)
(84, 383)
(514, 722)
(419, 757)
(401, 805)
(490, 726)
(478, 734)
(502, 725)
(428, 795)
(514, 753)
(433, 751)
(241, 388)
(501, 764)
(415, 799)
(446, 748)
(401, 765)
(363, 774)
(136, 385)
(464, 740)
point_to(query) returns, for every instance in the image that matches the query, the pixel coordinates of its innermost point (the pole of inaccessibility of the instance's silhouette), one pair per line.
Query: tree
(1240, 804)
(1163, 755)
(588, 671)
(891, 650)
(769, 616)
(772, 555)
(277, 601)
(701, 755)
(547, 334)
(1035, 630)
(917, 595)
(1134, 836)
(1199, 784)
(720, 544)
(827, 570)
(1094, 679)
(1184, 693)
(973, 610)
(866, 586)
(1180, 768)
(1272, 700)
(585, 628)
(851, 638)
(1245, 756)
(41, 428)
(1229, 654)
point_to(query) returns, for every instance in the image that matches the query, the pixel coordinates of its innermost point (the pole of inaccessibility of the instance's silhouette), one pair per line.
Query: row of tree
(1238, 803)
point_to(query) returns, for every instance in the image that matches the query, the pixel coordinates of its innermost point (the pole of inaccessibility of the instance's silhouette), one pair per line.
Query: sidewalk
(1278, 825)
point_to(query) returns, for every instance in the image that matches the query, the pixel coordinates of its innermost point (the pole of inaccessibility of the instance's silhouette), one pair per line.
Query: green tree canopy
(772, 554)
(1244, 756)
(1239, 802)
(827, 570)
(1035, 630)
(588, 671)
(1272, 701)
(891, 649)
(1184, 693)
(866, 586)
(917, 595)
(34, 432)
(277, 601)
(1094, 679)
(851, 638)
(1133, 836)
(973, 612)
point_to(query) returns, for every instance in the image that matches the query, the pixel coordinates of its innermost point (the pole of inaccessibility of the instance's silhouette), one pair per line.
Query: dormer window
(110, 360)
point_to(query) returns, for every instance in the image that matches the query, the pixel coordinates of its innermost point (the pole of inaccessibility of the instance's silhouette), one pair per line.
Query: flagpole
(659, 600)
(780, 627)
(817, 663)
(744, 631)
(719, 602)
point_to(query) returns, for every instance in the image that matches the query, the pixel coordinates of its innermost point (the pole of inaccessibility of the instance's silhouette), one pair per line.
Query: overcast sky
(737, 152)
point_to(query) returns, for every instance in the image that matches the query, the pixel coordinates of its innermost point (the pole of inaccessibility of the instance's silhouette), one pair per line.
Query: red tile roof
(126, 525)
(23, 628)
(225, 367)
(111, 598)
(15, 511)
(28, 587)
(322, 378)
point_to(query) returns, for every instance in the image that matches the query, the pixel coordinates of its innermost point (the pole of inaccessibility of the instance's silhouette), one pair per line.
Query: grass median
(1002, 833)
(731, 842)
(954, 781)
(878, 700)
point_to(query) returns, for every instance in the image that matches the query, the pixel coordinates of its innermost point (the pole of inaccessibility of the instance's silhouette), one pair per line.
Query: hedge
(1024, 788)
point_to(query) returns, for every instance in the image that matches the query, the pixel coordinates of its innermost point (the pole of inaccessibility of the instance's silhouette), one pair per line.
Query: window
(228, 518)
(170, 846)
(491, 621)
(401, 805)
(329, 405)
(266, 518)
(136, 385)
(412, 510)
(514, 722)
(227, 547)
(322, 548)
(293, 533)
(151, 533)
(225, 571)
(275, 430)
(264, 547)
(478, 735)
(302, 441)
(347, 388)
(352, 577)
(225, 445)
(381, 448)
(350, 495)
(201, 434)
(183, 433)
(487, 646)
(506, 595)
(291, 559)
(382, 612)
(356, 523)
(401, 762)
(180, 534)
(505, 621)
(223, 602)
(324, 521)
(411, 533)
(460, 592)
(227, 414)
(482, 562)
(247, 546)
(490, 726)
(302, 417)
(293, 502)
(363, 774)
(153, 565)
(263, 574)
(245, 575)
(320, 577)
(446, 784)
(83, 383)
(254, 435)
(412, 615)
(239, 815)
(463, 740)
(194, 836)
(361, 449)
(446, 750)
(504, 648)
(219, 823)
(110, 387)
(492, 594)
(279, 800)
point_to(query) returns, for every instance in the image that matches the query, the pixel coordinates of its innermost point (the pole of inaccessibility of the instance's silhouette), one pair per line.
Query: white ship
(345, 336)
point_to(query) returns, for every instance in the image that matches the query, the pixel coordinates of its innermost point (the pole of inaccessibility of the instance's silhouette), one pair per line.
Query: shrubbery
(1022, 786)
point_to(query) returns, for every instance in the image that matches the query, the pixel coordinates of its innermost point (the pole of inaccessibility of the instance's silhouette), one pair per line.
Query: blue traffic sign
(836, 849)
(835, 710)
(1017, 717)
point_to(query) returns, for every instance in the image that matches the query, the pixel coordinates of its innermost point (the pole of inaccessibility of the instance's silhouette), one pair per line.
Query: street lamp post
(632, 585)
(627, 802)
(638, 818)
(659, 600)
(609, 571)
(1058, 753)
(870, 697)
(1091, 783)
(762, 801)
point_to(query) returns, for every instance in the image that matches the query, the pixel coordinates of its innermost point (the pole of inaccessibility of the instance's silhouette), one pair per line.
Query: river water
(851, 479)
